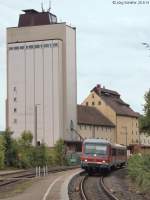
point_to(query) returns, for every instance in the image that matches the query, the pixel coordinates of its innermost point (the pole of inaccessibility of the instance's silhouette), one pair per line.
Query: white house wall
(36, 75)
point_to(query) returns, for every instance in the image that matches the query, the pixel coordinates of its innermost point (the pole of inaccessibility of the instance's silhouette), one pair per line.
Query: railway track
(8, 179)
(98, 191)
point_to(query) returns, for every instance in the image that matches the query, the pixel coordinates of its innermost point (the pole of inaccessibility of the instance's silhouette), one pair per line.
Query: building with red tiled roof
(118, 112)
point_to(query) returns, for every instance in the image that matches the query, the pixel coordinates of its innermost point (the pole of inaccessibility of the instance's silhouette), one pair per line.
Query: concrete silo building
(41, 78)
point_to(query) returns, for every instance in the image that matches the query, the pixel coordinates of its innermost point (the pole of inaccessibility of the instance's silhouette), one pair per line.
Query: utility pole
(126, 137)
(35, 122)
(126, 134)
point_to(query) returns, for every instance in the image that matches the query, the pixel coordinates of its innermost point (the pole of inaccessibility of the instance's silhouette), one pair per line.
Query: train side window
(113, 152)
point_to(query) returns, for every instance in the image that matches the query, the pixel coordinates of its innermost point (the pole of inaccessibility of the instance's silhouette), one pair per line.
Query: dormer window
(99, 103)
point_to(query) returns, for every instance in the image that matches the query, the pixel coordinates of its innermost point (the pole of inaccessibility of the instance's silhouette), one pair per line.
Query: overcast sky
(109, 45)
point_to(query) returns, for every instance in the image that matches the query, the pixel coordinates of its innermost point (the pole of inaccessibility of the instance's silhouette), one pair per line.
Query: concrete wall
(71, 83)
(35, 79)
(89, 131)
(43, 76)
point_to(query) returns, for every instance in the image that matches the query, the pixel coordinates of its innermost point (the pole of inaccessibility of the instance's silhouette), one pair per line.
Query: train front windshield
(95, 148)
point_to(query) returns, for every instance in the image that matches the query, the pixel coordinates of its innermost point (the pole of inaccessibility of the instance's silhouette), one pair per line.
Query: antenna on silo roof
(50, 6)
(42, 6)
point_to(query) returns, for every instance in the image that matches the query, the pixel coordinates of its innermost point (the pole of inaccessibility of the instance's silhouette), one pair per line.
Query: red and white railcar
(100, 154)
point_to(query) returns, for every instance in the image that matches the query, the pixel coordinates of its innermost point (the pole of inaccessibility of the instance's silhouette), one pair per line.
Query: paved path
(52, 187)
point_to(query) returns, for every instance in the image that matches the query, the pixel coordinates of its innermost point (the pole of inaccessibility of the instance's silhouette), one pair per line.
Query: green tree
(40, 156)
(145, 119)
(2, 152)
(59, 149)
(25, 150)
(10, 148)
(26, 138)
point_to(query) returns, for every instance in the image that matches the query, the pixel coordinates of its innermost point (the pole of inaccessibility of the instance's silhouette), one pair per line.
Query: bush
(10, 147)
(2, 153)
(59, 152)
(139, 170)
(22, 154)
(25, 150)
(40, 156)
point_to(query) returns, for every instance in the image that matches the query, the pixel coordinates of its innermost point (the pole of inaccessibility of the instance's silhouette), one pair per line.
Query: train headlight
(85, 160)
(103, 161)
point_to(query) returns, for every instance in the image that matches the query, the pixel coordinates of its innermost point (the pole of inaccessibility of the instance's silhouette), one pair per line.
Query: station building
(41, 78)
(109, 103)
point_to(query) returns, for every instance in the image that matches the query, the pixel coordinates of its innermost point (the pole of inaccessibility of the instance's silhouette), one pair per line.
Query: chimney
(98, 89)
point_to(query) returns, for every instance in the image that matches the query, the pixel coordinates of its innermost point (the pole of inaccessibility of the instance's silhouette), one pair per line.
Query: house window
(15, 89)
(15, 99)
(30, 46)
(21, 47)
(85, 127)
(16, 48)
(37, 46)
(15, 109)
(10, 48)
(87, 103)
(55, 44)
(93, 103)
(92, 95)
(15, 121)
(46, 45)
(132, 140)
(99, 103)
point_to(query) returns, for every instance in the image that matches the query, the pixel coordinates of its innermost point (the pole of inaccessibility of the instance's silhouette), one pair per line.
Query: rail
(7, 179)
(102, 185)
